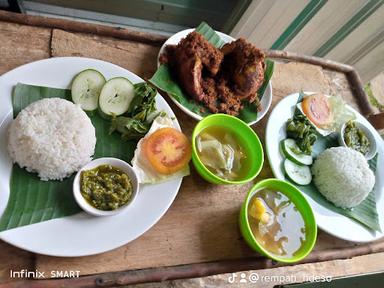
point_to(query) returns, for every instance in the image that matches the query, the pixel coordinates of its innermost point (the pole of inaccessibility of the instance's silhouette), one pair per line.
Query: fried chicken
(193, 54)
(244, 65)
(220, 78)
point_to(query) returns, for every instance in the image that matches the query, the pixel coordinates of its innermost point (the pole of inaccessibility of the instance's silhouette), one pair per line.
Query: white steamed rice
(343, 176)
(52, 137)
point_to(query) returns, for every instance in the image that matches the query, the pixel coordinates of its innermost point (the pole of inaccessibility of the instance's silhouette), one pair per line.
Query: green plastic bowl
(247, 138)
(302, 206)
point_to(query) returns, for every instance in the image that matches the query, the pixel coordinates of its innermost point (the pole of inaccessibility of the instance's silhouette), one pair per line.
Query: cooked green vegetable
(219, 150)
(355, 138)
(144, 102)
(130, 128)
(135, 124)
(300, 129)
(106, 187)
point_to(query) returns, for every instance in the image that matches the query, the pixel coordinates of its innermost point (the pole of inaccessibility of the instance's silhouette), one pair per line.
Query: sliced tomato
(317, 108)
(168, 150)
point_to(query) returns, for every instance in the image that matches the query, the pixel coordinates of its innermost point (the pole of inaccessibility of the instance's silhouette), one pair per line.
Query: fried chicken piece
(244, 67)
(193, 54)
(219, 78)
(229, 102)
(219, 98)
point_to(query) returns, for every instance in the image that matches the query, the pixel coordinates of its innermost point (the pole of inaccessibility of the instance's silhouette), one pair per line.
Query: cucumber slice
(301, 175)
(116, 96)
(290, 150)
(86, 87)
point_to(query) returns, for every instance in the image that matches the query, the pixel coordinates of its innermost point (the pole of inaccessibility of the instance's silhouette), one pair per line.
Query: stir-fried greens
(135, 122)
(143, 104)
(301, 130)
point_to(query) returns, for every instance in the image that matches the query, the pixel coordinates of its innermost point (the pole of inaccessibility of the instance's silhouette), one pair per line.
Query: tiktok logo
(232, 278)
(252, 278)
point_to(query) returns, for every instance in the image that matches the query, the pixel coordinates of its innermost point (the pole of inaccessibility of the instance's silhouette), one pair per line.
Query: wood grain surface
(201, 225)
(20, 44)
(82, 27)
(122, 53)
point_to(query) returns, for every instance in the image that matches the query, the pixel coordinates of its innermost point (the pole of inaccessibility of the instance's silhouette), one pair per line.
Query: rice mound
(343, 176)
(52, 137)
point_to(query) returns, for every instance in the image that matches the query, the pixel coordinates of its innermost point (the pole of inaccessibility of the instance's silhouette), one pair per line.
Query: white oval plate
(80, 234)
(265, 102)
(329, 221)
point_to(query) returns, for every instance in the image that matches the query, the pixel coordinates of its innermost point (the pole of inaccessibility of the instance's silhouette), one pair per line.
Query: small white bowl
(372, 142)
(120, 164)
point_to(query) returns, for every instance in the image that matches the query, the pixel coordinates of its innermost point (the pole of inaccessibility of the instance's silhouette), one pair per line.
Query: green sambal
(355, 138)
(106, 187)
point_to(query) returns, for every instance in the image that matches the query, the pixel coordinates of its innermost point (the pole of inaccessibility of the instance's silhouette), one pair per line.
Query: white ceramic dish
(329, 221)
(372, 141)
(78, 235)
(120, 164)
(265, 102)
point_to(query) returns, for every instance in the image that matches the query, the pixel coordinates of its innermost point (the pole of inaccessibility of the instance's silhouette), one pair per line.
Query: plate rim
(7, 234)
(224, 37)
(276, 174)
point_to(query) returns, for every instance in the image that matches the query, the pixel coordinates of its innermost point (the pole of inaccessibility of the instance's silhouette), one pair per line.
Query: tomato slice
(317, 108)
(168, 150)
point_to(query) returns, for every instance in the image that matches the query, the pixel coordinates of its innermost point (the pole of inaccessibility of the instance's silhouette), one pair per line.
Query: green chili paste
(105, 187)
(355, 138)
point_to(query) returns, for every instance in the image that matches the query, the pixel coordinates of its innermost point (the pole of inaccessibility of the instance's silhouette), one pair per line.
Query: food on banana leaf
(302, 131)
(343, 176)
(52, 137)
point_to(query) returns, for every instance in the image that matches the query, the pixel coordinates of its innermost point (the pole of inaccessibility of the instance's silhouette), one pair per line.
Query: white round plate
(80, 234)
(329, 221)
(265, 102)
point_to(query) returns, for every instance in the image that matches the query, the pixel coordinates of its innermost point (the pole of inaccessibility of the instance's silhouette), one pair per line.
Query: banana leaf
(366, 212)
(32, 200)
(164, 80)
(210, 34)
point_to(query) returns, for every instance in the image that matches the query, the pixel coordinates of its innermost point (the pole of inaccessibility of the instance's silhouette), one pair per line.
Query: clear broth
(284, 234)
(221, 153)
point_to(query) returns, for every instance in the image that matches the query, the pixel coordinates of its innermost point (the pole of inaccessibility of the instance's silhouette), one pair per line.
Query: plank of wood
(199, 269)
(15, 259)
(201, 225)
(327, 270)
(83, 27)
(269, 278)
(292, 77)
(22, 44)
(207, 213)
(137, 57)
(354, 80)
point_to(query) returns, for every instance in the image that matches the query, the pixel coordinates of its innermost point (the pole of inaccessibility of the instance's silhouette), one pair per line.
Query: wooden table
(198, 236)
